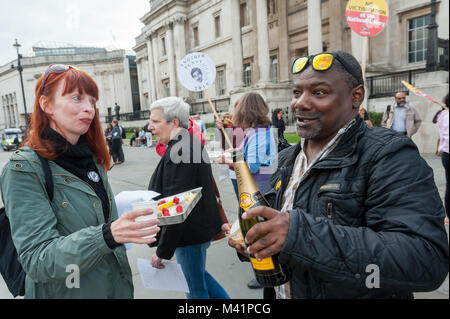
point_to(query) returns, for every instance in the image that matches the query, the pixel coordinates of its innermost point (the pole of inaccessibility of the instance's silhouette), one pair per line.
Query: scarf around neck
(79, 160)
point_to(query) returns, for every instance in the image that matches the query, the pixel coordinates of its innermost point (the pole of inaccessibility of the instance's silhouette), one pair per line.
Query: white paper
(125, 199)
(170, 278)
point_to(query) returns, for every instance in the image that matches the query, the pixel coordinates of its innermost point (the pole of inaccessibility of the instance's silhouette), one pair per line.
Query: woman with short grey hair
(188, 241)
(173, 107)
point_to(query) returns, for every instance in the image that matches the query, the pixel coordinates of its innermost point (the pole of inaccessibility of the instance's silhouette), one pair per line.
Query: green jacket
(51, 238)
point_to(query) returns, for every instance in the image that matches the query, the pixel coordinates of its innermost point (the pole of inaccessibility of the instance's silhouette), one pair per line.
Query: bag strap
(48, 177)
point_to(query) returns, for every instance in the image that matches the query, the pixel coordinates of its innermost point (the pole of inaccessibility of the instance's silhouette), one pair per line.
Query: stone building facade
(114, 72)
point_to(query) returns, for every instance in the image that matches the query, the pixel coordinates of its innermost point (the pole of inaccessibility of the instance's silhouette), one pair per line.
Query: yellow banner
(420, 93)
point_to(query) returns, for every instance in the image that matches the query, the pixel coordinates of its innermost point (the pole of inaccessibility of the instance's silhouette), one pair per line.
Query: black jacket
(371, 201)
(172, 177)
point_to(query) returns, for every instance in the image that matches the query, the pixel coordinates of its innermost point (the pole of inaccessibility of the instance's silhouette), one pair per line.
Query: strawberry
(179, 209)
(165, 212)
(176, 200)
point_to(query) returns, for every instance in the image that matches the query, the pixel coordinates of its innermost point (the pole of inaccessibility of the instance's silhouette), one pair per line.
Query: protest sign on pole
(197, 72)
(366, 18)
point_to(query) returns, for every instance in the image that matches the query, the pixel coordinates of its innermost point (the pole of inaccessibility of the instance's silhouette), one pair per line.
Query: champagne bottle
(268, 271)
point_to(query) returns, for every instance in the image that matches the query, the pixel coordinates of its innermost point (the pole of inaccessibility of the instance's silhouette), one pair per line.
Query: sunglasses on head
(54, 68)
(321, 62)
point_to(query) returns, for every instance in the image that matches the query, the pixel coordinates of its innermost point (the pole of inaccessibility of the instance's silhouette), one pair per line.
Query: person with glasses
(355, 210)
(70, 246)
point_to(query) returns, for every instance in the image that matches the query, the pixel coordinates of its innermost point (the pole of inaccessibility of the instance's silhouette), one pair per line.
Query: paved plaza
(222, 262)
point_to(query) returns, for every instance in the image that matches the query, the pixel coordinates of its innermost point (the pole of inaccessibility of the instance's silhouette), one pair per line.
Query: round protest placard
(197, 72)
(367, 18)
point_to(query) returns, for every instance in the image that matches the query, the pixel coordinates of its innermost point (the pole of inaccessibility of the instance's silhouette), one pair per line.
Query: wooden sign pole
(218, 119)
(363, 65)
(364, 57)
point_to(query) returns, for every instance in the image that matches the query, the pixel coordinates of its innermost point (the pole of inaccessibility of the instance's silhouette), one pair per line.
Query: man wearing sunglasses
(355, 210)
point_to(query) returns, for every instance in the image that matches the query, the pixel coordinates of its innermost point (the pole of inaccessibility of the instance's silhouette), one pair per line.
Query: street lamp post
(20, 69)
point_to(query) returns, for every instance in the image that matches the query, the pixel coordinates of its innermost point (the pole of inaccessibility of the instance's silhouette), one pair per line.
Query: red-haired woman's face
(70, 114)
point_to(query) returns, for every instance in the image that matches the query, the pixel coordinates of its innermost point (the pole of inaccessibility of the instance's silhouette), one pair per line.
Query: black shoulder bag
(10, 268)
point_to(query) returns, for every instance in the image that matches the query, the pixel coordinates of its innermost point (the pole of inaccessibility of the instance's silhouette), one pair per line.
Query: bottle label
(246, 201)
(264, 264)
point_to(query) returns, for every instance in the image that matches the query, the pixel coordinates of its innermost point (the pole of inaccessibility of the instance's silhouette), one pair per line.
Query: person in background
(442, 120)
(365, 116)
(236, 135)
(16, 141)
(134, 137)
(402, 118)
(177, 172)
(278, 123)
(116, 138)
(148, 136)
(123, 135)
(251, 117)
(80, 226)
(200, 123)
(108, 138)
(193, 128)
(141, 137)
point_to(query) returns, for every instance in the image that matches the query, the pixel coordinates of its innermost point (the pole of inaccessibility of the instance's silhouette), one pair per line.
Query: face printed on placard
(196, 72)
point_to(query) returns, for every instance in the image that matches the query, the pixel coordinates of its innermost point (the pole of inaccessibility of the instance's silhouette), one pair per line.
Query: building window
(163, 46)
(300, 52)
(166, 87)
(247, 74)
(274, 69)
(217, 26)
(195, 36)
(244, 15)
(418, 39)
(221, 86)
(272, 7)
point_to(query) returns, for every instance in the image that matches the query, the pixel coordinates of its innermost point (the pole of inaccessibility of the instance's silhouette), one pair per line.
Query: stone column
(156, 65)
(180, 48)
(238, 64)
(171, 61)
(151, 71)
(283, 44)
(314, 27)
(336, 25)
(263, 42)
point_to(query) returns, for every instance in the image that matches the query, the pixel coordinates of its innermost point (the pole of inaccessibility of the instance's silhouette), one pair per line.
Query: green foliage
(376, 118)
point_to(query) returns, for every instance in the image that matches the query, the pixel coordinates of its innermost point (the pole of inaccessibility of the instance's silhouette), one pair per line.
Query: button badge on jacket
(277, 187)
(93, 176)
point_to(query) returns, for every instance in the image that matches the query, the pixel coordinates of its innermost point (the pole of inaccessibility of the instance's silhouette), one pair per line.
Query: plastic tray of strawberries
(178, 216)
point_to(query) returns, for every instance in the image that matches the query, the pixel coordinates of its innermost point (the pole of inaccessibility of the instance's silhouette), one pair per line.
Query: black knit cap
(352, 68)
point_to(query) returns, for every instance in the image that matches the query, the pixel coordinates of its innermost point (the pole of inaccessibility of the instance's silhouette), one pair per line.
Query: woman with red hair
(79, 228)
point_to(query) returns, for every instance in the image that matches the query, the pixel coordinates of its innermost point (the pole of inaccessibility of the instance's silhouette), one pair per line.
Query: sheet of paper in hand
(169, 278)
